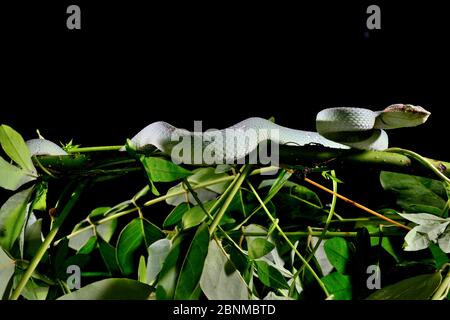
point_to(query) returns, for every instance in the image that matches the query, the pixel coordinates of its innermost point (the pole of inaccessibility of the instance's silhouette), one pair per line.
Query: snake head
(400, 116)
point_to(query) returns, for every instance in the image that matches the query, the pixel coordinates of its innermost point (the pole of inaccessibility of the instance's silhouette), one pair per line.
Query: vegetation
(219, 232)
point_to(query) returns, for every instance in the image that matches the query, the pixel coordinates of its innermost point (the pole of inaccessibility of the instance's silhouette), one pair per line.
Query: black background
(132, 64)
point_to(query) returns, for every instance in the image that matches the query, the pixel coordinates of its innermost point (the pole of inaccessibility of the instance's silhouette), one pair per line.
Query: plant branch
(297, 253)
(356, 204)
(48, 239)
(95, 149)
(389, 160)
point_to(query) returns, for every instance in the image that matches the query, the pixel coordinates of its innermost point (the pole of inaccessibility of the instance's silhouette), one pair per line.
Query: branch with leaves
(217, 232)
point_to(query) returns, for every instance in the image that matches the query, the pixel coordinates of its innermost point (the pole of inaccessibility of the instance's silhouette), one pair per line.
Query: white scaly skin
(341, 128)
(43, 147)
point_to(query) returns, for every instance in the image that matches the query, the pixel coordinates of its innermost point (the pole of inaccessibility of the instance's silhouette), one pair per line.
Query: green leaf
(270, 276)
(307, 195)
(151, 232)
(142, 270)
(444, 241)
(34, 289)
(60, 254)
(100, 211)
(192, 267)
(259, 247)
(15, 147)
(385, 242)
(439, 256)
(168, 275)
(338, 253)
(108, 253)
(199, 176)
(12, 177)
(339, 285)
(175, 215)
(7, 268)
(273, 257)
(299, 202)
(157, 254)
(194, 216)
(204, 175)
(220, 279)
(105, 230)
(138, 231)
(90, 245)
(40, 199)
(321, 257)
(12, 217)
(111, 289)
(129, 240)
(161, 170)
(416, 288)
(414, 193)
(33, 238)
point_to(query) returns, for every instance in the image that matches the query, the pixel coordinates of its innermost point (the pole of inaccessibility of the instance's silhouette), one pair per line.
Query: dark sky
(133, 64)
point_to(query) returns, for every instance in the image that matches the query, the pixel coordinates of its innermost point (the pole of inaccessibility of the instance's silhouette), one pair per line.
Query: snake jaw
(401, 115)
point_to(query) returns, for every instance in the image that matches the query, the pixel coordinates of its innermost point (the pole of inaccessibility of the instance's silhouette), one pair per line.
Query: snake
(337, 128)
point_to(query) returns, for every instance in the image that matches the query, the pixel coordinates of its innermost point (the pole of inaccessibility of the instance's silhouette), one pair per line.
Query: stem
(356, 204)
(162, 198)
(337, 158)
(442, 292)
(50, 236)
(437, 169)
(236, 186)
(278, 184)
(328, 234)
(94, 149)
(314, 274)
(327, 223)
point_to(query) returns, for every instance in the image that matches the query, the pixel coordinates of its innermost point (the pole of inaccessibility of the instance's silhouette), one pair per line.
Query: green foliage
(161, 170)
(338, 253)
(415, 194)
(270, 276)
(15, 147)
(220, 279)
(11, 176)
(206, 233)
(138, 232)
(430, 229)
(339, 285)
(415, 288)
(7, 268)
(111, 289)
(259, 247)
(192, 267)
(12, 217)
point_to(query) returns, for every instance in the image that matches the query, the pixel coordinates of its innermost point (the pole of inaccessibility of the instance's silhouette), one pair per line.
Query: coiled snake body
(341, 128)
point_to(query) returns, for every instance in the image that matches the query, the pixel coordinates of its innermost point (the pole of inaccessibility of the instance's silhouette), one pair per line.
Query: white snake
(341, 128)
